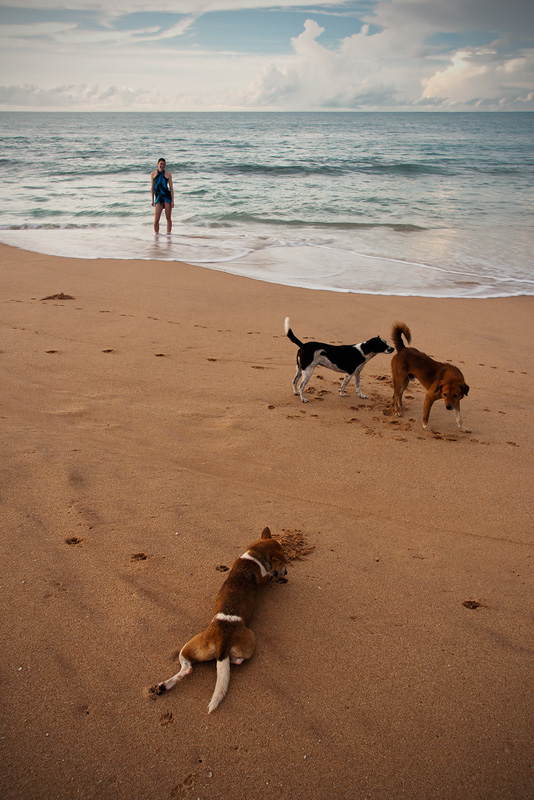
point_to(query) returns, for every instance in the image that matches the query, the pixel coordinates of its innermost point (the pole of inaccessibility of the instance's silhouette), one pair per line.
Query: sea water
(428, 204)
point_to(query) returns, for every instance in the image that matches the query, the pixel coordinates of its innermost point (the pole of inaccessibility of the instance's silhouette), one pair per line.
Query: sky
(256, 55)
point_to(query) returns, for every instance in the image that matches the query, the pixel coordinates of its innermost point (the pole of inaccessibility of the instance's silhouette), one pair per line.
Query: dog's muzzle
(279, 572)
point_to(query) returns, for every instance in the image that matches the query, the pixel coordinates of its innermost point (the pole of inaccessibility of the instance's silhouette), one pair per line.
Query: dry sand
(150, 433)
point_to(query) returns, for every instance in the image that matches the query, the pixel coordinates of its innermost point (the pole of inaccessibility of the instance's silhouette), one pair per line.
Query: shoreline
(257, 260)
(151, 433)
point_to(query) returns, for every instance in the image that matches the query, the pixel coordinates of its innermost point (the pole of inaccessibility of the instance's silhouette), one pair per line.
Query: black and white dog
(348, 358)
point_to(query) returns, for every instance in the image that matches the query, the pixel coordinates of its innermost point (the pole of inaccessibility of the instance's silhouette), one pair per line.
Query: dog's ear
(465, 389)
(266, 534)
(439, 388)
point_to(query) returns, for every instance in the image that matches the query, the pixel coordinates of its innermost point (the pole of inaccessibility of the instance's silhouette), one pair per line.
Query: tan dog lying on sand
(440, 380)
(227, 638)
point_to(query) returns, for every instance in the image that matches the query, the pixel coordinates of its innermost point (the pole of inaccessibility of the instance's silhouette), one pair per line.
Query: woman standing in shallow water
(162, 194)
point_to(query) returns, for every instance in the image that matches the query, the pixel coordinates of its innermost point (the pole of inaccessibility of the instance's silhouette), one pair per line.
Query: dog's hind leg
(398, 391)
(197, 649)
(343, 386)
(296, 379)
(242, 646)
(308, 372)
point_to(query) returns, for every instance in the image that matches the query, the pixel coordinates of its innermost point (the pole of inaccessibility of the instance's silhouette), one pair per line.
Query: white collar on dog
(227, 617)
(264, 572)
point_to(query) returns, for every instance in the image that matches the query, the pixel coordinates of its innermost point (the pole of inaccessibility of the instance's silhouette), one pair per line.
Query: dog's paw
(364, 397)
(159, 688)
(465, 430)
(304, 400)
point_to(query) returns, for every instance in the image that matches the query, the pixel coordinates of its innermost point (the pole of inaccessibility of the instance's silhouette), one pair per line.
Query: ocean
(425, 204)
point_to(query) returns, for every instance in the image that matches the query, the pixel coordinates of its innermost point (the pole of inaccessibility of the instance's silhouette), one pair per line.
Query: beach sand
(150, 432)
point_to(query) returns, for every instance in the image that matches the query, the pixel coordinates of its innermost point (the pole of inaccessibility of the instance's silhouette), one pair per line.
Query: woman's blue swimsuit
(161, 189)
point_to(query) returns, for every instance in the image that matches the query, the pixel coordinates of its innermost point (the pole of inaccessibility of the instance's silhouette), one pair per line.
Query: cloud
(189, 7)
(80, 96)
(408, 54)
(393, 68)
(455, 15)
(359, 73)
(482, 77)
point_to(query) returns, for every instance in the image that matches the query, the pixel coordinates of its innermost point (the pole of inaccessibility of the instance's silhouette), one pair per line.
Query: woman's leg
(158, 208)
(168, 210)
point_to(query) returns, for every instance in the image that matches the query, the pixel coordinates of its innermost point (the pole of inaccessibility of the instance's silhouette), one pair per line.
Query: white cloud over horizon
(253, 54)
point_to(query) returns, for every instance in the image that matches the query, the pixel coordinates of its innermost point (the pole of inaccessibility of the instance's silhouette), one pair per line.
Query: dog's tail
(221, 686)
(290, 335)
(398, 329)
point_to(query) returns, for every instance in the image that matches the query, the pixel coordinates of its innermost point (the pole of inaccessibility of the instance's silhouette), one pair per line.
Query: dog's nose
(449, 407)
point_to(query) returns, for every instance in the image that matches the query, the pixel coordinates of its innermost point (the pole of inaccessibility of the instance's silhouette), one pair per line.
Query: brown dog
(227, 638)
(440, 380)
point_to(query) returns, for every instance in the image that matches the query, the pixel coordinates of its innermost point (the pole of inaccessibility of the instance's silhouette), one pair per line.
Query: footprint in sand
(110, 350)
(73, 540)
(57, 587)
(139, 557)
(160, 355)
(472, 604)
(60, 296)
(513, 444)
(52, 351)
(222, 568)
(166, 719)
(182, 790)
